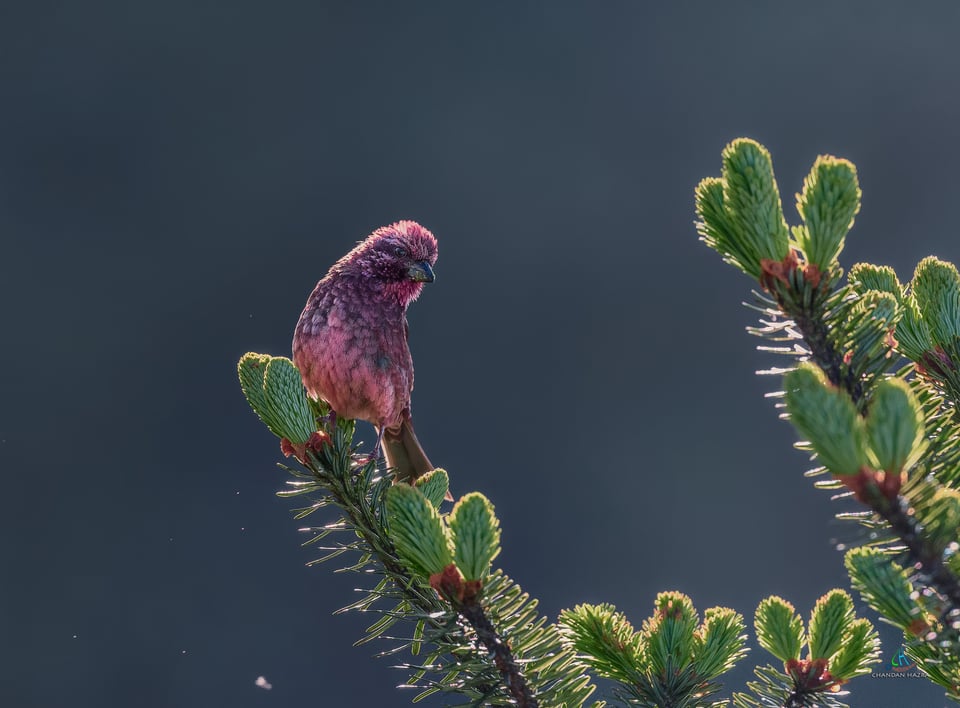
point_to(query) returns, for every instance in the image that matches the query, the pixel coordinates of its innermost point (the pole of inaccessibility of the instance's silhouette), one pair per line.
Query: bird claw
(332, 419)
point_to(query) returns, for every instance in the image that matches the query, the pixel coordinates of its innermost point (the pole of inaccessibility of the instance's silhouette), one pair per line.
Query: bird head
(400, 256)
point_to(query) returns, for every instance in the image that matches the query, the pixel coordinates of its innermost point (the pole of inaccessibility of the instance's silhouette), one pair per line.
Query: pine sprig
(888, 434)
(453, 555)
(839, 647)
(673, 660)
(487, 645)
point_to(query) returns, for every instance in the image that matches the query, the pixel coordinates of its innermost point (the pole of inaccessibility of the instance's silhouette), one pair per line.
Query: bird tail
(404, 454)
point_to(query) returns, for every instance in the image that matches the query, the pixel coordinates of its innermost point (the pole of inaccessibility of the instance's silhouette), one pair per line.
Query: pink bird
(351, 346)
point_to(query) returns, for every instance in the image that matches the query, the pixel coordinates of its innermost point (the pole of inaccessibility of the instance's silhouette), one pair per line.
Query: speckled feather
(351, 341)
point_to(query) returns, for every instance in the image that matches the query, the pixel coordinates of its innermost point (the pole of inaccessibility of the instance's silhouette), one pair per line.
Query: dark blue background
(174, 178)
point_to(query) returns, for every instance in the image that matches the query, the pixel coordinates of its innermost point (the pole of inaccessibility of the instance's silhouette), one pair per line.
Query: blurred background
(174, 179)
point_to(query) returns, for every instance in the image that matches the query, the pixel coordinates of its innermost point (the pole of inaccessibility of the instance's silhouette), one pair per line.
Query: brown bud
(918, 627)
(811, 273)
(772, 271)
(449, 583)
(317, 441)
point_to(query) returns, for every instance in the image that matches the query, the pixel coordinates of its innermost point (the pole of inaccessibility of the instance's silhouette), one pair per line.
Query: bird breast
(355, 358)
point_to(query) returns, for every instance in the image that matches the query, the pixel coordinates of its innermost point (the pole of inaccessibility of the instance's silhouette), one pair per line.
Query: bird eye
(401, 252)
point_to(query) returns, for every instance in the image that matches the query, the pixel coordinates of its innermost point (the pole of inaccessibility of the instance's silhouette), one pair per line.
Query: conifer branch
(921, 553)
(513, 679)
(808, 317)
(437, 569)
(889, 437)
(370, 527)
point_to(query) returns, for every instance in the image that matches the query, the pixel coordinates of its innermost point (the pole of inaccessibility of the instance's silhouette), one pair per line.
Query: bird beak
(420, 272)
